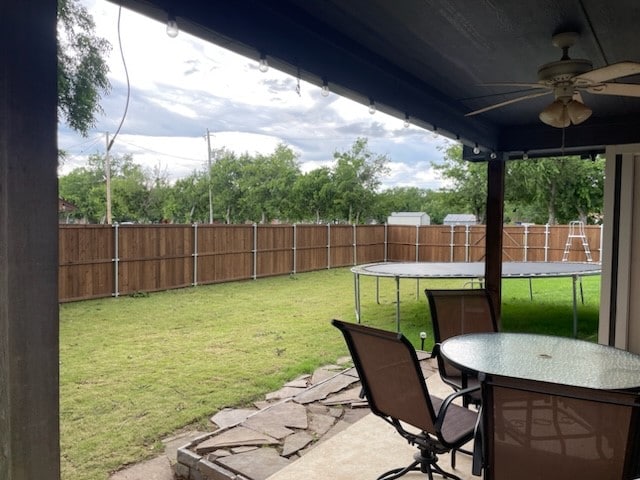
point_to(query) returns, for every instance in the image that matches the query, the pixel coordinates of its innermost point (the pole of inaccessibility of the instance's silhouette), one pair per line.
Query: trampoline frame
(473, 271)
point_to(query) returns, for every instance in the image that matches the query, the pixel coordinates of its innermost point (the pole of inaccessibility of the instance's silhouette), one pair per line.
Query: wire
(126, 73)
(161, 153)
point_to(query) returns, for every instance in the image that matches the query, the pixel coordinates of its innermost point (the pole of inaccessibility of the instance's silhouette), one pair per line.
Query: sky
(181, 87)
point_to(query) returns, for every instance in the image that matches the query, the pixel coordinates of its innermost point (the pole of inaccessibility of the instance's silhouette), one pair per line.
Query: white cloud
(182, 86)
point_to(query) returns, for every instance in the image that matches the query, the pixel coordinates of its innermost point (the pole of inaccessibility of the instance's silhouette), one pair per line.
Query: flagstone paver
(254, 444)
(257, 465)
(295, 442)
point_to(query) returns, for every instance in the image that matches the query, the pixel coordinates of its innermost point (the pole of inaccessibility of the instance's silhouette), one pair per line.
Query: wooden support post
(29, 366)
(495, 219)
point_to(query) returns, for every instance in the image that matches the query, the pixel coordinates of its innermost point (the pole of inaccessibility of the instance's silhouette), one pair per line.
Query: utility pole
(209, 175)
(107, 174)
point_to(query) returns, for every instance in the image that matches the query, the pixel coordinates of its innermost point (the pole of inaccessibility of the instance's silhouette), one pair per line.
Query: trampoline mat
(476, 269)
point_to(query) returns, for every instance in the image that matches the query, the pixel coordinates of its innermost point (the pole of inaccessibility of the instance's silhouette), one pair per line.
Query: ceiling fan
(567, 78)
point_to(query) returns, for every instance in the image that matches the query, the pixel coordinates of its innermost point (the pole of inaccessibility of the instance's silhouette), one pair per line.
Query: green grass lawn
(133, 370)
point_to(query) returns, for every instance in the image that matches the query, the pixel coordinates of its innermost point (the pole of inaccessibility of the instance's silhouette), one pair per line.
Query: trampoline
(473, 271)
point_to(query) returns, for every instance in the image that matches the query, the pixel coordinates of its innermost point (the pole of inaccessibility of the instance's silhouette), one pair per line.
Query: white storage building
(408, 218)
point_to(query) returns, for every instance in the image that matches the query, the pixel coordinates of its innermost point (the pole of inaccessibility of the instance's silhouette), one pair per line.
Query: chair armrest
(435, 351)
(447, 402)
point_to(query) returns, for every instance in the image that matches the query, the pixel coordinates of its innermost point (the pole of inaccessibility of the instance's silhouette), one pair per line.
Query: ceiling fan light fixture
(578, 112)
(556, 115)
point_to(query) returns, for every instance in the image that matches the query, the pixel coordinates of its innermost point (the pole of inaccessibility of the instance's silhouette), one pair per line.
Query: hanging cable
(126, 73)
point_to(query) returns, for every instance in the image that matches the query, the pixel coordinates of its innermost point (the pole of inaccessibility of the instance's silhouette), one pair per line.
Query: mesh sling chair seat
(395, 388)
(456, 312)
(535, 430)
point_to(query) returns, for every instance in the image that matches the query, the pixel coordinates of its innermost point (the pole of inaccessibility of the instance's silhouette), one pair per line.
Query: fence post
(417, 243)
(328, 246)
(451, 244)
(195, 255)
(546, 242)
(255, 251)
(355, 247)
(526, 243)
(466, 243)
(116, 260)
(386, 241)
(600, 246)
(295, 239)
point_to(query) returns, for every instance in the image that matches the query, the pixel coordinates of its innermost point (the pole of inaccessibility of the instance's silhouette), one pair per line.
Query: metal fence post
(526, 242)
(600, 246)
(195, 255)
(328, 246)
(451, 242)
(546, 242)
(255, 251)
(355, 248)
(116, 260)
(417, 243)
(386, 241)
(295, 239)
(466, 243)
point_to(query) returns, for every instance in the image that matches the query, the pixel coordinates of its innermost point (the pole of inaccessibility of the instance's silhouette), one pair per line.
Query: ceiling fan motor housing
(563, 70)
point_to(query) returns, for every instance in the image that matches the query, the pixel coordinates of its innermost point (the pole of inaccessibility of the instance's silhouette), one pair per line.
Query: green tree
(357, 175)
(82, 68)
(266, 186)
(226, 174)
(85, 187)
(313, 195)
(466, 183)
(555, 190)
(401, 199)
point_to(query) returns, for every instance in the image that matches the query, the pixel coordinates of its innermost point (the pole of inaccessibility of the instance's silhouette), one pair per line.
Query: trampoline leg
(575, 309)
(398, 304)
(378, 290)
(356, 289)
(581, 291)
(530, 290)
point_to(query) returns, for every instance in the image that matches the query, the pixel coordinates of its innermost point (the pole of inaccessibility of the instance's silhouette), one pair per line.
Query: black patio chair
(456, 312)
(395, 388)
(535, 430)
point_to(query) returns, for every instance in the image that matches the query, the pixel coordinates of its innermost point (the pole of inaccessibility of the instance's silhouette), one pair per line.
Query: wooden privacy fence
(103, 260)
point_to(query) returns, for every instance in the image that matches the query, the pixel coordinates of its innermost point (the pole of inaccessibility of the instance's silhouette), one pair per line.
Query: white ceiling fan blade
(622, 89)
(610, 72)
(513, 84)
(508, 102)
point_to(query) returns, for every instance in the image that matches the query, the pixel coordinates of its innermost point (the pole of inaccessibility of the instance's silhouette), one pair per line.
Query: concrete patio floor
(366, 449)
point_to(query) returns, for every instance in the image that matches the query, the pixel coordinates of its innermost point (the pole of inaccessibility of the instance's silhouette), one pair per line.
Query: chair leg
(425, 462)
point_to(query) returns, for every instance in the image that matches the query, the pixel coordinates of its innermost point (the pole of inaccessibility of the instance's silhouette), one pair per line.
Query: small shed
(408, 218)
(460, 219)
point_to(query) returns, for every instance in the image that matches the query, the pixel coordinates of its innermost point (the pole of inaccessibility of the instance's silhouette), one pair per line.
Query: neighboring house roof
(65, 206)
(460, 218)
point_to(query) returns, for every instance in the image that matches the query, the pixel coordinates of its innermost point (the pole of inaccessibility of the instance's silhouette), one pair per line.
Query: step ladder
(576, 230)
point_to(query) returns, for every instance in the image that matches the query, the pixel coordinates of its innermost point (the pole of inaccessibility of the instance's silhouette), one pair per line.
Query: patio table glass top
(545, 358)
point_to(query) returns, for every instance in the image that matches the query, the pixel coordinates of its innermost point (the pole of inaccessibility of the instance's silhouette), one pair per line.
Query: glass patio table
(544, 358)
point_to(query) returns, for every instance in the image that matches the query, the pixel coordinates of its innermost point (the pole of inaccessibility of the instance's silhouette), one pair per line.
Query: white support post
(417, 243)
(526, 243)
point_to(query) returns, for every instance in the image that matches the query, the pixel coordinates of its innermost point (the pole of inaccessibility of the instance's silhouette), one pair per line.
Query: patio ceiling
(430, 59)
